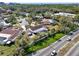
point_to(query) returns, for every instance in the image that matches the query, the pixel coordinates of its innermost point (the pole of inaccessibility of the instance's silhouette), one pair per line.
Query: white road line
(72, 48)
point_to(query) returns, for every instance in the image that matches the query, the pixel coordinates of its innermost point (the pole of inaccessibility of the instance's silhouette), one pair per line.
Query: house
(23, 23)
(76, 22)
(2, 10)
(39, 16)
(23, 13)
(33, 23)
(9, 35)
(47, 21)
(3, 24)
(65, 14)
(9, 11)
(36, 29)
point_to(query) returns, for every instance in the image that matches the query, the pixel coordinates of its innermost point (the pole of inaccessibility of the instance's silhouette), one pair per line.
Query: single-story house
(3, 24)
(2, 10)
(65, 14)
(47, 21)
(23, 13)
(23, 22)
(39, 16)
(36, 29)
(76, 23)
(9, 35)
(9, 11)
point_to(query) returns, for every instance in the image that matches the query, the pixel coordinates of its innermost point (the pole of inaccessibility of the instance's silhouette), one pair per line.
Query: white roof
(49, 20)
(5, 35)
(64, 14)
(24, 22)
(40, 29)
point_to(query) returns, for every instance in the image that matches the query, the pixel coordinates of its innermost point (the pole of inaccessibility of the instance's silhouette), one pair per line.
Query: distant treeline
(72, 8)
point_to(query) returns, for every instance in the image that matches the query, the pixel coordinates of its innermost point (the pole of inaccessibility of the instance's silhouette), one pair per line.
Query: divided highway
(57, 45)
(74, 51)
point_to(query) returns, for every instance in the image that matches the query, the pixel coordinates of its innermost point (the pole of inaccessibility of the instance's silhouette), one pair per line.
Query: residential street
(57, 45)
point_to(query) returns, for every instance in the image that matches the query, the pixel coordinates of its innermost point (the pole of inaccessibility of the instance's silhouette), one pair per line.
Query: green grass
(7, 50)
(44, 43)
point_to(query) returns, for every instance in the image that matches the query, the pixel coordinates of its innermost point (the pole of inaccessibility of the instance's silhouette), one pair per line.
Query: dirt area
(66, 48)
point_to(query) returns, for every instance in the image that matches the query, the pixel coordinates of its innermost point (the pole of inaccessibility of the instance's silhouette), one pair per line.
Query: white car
(69, 38)
(53, 53)
(8, 42)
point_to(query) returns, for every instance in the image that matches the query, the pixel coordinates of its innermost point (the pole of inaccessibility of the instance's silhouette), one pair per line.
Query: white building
(65, 14)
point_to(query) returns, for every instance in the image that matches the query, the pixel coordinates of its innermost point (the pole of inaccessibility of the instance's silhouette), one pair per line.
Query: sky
(41, 1)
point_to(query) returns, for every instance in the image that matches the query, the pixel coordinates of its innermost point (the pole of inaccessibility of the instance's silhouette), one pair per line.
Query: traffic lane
(60, 45)
(57, 46)
(75, 33)
(74, 51)
(40, 52)
(52, 46)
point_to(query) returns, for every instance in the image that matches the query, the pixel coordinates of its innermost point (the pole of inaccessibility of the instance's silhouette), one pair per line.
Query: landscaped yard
(7, 50)
(44, 43)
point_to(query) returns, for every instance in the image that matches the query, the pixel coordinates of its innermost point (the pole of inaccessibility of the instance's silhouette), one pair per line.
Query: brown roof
(36, 27)
(13, 32)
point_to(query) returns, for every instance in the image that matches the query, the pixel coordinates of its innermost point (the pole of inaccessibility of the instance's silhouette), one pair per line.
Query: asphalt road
(48, 50)
(57, 45)
(74, 51)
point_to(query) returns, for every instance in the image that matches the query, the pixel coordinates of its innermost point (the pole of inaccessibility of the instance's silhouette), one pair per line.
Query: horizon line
(44, 2)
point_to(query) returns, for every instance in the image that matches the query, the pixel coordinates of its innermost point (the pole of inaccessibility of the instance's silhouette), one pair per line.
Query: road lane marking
(71, 49)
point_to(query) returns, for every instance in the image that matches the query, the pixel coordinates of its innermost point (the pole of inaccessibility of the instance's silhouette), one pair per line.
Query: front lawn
(44, 43)
(7, 50)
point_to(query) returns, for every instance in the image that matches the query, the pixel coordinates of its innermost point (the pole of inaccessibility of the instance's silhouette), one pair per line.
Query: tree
(12, 20)
(21, 42)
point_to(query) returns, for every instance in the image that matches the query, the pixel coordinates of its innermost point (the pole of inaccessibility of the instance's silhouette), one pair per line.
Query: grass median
(43, 43)
(68, 46)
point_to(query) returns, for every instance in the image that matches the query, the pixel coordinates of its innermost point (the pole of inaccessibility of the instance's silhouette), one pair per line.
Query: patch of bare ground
(66, 47)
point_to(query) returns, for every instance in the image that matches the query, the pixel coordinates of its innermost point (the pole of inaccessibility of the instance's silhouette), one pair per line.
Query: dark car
(71, 33)
(59, 40)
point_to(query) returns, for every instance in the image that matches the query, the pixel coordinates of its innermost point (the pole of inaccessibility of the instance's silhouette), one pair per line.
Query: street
(74, 51)
(57, 45)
